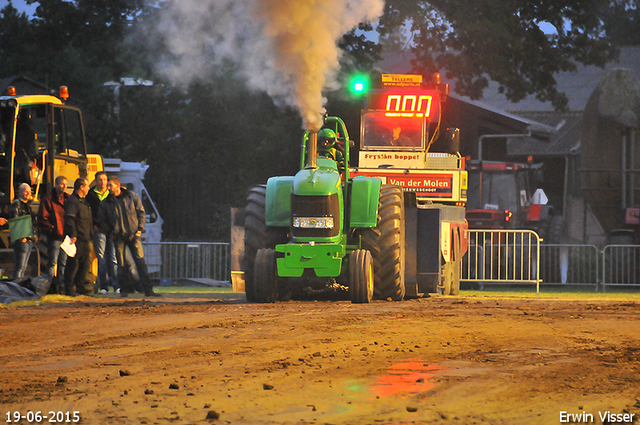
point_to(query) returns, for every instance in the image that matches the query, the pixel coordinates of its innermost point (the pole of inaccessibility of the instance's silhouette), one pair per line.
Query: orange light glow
(64, 92)
(11, 91)
(405, 379)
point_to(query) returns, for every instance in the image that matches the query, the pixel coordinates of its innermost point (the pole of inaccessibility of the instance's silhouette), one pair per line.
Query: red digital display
(406, 103)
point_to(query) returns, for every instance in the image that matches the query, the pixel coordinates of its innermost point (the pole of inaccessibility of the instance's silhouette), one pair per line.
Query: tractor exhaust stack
(313, 150)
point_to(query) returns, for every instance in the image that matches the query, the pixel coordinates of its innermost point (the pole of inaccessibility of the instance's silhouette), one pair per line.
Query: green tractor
(323, 227)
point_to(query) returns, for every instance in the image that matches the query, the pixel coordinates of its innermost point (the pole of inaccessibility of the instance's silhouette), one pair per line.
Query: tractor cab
(385, 133)
(504, 195)
(399, 124)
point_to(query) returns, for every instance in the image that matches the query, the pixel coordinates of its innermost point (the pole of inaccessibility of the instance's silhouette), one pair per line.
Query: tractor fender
(278, 201)
(365, 194)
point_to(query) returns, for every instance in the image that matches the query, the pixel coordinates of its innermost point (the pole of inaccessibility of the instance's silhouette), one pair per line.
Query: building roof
(23, 85)
(565, 141)
(515, 122)
(577, 85)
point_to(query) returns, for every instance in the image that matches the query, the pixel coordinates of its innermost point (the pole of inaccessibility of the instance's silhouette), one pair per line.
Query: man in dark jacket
(102, 244)
(78, 225)
(51, 224)
(122, 217)
(22, 247)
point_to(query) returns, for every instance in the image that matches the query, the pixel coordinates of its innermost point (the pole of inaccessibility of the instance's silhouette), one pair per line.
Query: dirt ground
(216, 359)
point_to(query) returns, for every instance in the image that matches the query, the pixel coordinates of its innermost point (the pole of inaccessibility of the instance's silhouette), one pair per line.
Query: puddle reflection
(406, 378)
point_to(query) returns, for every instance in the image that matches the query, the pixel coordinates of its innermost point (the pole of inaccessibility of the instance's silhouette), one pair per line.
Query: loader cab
(41, 139)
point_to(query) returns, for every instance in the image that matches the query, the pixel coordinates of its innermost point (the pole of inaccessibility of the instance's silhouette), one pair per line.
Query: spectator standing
(51, 224)
(78, 225)
(122, 218)
(102, 244)
(22, 247)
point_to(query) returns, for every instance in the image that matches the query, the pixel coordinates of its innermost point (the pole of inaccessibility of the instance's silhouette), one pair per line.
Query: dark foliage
(478, 40)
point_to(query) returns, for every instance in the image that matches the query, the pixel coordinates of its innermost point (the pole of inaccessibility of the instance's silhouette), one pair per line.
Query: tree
(17, 41)
(474, 41)
(73, 43)
(93, 27)
(360, 53)
(206, 144)
(622, 22)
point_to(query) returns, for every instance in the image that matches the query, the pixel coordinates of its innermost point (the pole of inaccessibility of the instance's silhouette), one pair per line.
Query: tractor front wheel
(265, 279)
(360, 276)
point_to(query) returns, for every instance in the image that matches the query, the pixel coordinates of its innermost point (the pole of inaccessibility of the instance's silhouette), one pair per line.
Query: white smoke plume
(284, 47)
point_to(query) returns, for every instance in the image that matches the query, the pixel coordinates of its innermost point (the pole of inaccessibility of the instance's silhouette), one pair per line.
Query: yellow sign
(401, 79)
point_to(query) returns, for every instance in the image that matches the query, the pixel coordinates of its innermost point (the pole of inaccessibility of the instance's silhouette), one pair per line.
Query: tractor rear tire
(557, 230)
(257, 235)
(361, 276)
(386, 244)
(265, 277)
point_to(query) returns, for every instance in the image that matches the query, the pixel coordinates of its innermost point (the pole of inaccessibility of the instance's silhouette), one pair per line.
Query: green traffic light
(359, 84)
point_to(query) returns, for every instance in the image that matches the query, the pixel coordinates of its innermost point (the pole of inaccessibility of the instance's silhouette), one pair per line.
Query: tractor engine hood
(316, 182)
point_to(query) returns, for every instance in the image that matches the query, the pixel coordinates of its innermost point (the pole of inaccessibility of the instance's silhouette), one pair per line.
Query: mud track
(460, 360)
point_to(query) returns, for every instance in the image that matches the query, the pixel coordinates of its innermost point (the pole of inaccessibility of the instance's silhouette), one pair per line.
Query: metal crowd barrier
(566, 264)
(621, 266)
(188, 260)
(493, 257)
(514, 256)
(502, 256)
